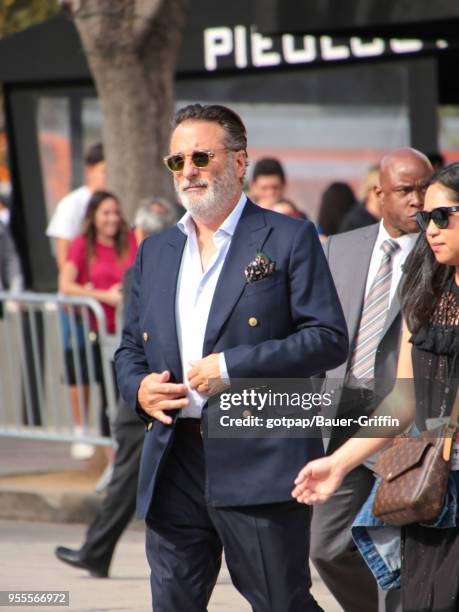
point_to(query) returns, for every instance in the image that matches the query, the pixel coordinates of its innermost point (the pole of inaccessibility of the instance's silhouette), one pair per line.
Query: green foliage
(16, 15)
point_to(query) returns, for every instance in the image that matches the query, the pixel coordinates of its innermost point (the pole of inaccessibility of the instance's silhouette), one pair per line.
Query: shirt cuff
(223, 370)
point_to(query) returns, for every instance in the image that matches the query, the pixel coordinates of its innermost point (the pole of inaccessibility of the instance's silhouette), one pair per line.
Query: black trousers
(119, 503)
(333, 551)
(430, 569)
(266, 547)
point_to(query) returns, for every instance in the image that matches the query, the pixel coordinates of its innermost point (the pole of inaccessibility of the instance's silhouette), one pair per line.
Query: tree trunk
(132, 48)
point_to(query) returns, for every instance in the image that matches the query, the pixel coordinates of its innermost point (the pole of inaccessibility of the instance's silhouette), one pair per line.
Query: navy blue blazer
(301, 332)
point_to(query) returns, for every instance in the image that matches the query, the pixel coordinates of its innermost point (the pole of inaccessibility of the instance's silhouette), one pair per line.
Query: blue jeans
(379, 543)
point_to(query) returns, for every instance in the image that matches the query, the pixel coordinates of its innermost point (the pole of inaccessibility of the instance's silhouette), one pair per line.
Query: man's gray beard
(218, 199)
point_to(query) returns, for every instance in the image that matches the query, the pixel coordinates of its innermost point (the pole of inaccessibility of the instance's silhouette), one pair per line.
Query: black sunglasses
(440, 216)
(200, 159)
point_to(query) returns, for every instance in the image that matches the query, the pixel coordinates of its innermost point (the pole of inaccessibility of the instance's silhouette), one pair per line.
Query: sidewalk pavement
(40, 481)
(47, 499)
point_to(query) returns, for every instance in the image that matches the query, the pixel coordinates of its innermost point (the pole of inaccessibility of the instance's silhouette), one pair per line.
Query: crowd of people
(246, 287)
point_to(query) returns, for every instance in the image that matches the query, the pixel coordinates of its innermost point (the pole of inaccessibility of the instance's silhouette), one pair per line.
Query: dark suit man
(194, 318)
(354, 258)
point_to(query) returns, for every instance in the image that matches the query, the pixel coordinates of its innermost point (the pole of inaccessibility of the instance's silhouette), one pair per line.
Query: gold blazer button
(145, 336)
(253, 322)
(246, 413)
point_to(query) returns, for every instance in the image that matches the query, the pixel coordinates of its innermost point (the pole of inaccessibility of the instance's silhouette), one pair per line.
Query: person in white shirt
(66, 221)
(64, 226)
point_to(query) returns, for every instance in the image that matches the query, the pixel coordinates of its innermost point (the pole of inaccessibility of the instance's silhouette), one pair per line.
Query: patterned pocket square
(259, 268)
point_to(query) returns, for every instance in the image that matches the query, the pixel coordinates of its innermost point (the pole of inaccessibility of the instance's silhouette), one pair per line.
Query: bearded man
(193, 318)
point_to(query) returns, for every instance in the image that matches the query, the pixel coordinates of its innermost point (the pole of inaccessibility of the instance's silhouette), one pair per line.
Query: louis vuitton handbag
(414, 475)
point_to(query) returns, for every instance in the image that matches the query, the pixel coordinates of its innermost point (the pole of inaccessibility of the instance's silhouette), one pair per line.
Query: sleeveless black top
(435, 355)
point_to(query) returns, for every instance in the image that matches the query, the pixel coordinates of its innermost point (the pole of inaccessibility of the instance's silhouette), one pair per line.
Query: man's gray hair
(235, 132)
(151, 221)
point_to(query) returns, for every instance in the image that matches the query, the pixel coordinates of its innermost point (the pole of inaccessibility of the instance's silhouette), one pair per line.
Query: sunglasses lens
(175, 163)
(422, 218)
(440, 218)
(200, 159)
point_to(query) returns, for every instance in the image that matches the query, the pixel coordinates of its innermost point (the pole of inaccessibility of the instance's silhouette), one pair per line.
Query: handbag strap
(451, 429)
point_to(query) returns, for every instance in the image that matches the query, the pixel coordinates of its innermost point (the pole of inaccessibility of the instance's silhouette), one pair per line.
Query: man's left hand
(205, 377)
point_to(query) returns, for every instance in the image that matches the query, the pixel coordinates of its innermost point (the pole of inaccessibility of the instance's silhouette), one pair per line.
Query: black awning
(49, 51)
(236, 39)
(424, 19)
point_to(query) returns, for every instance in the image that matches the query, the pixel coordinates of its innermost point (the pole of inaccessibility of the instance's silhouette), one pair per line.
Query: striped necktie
(374, 316)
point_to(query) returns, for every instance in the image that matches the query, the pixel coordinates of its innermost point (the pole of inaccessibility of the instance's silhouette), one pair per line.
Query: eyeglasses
(199, 159)
(440, 216)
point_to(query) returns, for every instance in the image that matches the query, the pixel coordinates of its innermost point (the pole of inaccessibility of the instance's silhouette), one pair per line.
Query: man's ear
(379, 194)
(240, 163)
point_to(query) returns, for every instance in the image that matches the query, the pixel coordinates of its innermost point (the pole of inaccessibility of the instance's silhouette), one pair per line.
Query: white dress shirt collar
(187, 225)
(405, 242)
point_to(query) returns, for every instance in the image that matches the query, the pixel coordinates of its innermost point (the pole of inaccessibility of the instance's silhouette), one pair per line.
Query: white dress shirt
(406, 243)
(195, 292)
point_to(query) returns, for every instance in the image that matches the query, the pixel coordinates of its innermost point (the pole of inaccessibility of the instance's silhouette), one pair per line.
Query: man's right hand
(157, 394)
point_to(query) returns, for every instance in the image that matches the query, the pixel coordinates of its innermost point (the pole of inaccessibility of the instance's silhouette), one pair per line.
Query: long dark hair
(89, 231)
(425, 278)
(336, 201)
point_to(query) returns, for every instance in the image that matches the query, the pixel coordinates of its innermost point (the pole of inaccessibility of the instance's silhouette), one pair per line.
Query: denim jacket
(379, 543)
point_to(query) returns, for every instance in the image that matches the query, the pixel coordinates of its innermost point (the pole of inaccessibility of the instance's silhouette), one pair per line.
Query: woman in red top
(96, 263)
(99, 257)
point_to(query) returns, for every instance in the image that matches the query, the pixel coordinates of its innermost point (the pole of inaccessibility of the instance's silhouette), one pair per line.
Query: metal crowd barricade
(50, 355)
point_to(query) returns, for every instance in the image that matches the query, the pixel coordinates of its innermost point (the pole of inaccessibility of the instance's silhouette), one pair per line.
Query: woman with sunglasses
(429, 359)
